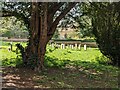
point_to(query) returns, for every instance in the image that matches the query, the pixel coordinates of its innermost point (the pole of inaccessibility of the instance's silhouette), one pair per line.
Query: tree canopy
(41, 19)
(105, 18)
(12, 28)
(106, 28)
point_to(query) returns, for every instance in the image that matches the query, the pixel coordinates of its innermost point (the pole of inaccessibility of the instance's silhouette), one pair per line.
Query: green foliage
(85, 27)
(13, 28)
(56, 35)
(32, 61)
(68, 54)
(3, 43)
(10, 58)
(88, 40)
(103, 60)
(106, 28)
(15, 62)
(90, 59)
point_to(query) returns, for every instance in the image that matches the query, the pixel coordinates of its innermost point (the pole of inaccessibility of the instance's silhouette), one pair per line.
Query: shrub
(103, 60)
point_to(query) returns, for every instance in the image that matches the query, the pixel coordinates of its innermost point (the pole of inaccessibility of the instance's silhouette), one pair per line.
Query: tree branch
(55, 23)
(55, 7)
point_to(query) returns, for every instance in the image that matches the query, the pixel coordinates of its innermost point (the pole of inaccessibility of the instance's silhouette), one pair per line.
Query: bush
(103, 60)
(53, 62)
(16, 62)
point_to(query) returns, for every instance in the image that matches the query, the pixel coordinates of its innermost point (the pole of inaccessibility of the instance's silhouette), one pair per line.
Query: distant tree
(56, 35)
(81, 20)
(12, 28)
(85, 26)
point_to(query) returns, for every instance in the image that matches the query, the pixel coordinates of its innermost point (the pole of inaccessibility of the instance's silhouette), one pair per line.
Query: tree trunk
(39, 19)
(43, 36)
(35, 51)
(42, 28)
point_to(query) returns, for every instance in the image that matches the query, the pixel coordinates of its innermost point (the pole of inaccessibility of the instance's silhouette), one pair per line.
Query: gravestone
(76, 46)
(85, 47)
(52, 45)
(79, 46)
(62, 46)
(72, 47)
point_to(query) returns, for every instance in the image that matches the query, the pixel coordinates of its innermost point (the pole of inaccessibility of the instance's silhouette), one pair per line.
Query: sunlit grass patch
(69, 68)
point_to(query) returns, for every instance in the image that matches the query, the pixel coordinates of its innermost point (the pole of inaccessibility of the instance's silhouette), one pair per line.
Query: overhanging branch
(17, 15)
(55, 23)
(55, 7)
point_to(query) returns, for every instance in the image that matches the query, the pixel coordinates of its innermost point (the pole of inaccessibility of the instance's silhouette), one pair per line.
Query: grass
(68, 54)
(67, 68)
(57, 57)
(9, 58)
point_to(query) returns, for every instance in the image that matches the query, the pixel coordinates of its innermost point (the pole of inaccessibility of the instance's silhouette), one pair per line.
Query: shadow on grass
(63, 73)
(55, 62)
(12, 62)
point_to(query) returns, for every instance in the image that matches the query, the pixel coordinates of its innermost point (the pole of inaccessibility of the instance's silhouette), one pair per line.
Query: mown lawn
(65, 68)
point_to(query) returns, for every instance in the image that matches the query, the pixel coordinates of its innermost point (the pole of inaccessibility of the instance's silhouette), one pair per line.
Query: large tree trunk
(38, 40)
(42, 28)
(39, 19)
(43, 36)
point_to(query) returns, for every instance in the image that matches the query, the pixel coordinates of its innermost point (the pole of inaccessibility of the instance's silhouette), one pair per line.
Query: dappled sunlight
(64, 68)
(68, 77)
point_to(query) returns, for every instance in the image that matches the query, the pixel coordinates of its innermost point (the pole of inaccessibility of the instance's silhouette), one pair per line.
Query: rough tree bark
(41, 31)
(36, 48)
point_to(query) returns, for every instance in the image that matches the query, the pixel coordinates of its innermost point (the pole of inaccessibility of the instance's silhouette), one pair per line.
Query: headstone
(75, 46)
(62, 46)
(85, 47)
(52, 45)
(79, 46)
(72, 47)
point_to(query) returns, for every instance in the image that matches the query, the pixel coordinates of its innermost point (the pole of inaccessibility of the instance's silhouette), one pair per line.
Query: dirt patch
(57, 78)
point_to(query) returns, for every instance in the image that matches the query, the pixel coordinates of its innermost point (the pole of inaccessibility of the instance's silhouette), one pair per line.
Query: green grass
(68, 54)
(70, 64)
(9, 58)
(58, 57)
(8, 54)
